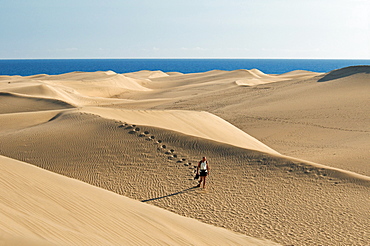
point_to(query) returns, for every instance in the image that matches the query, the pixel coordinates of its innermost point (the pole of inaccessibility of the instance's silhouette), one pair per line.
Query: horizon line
(185, 58)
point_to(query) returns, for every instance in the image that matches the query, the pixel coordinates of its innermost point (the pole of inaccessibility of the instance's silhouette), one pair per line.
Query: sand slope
(326, 122)
(77, 88)
(141, 134)
(10, 103)
(47, 208)
(199, 124)
(251, 192)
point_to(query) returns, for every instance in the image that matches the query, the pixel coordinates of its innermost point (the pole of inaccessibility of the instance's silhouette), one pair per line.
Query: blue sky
(337, 29)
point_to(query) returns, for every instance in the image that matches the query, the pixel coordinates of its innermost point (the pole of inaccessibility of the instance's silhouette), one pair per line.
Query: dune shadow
(173, 194)
(345, 72)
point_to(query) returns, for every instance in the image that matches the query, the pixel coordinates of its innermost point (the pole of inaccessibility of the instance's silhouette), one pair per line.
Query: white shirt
(203, 165)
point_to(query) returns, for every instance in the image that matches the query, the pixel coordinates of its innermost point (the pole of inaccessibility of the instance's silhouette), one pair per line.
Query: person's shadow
(173, 194)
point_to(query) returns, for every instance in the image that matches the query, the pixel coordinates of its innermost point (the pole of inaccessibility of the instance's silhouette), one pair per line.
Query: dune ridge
(187, 122)
(13, 103)
(156, 166)
(221, 131)
(300, 117)
(77, 88)
(178, 121)
(141, 134)
(345, 72)
(73, 212)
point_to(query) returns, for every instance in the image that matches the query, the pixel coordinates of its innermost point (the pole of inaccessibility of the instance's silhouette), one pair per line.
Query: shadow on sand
(173, 194)
(345, 72)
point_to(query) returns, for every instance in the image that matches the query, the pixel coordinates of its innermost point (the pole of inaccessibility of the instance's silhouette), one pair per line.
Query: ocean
(25, 67)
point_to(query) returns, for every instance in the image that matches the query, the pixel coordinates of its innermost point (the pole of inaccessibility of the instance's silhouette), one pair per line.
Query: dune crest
(248, 191)
(346, 72)
(97, 84)
(260, 78)
(141, 135)
(146, 74)
(15, 103)
(43, 207)
(199, 124)
(74, 88)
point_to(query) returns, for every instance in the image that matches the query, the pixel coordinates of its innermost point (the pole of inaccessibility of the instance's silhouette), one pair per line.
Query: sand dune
(43, 208)
(346, 72)
(200, 79)
(199, 124)
(98, 84)
(174, 73)
(251, 192)
(16, 121)
(145, 74)
(303, 118)
(260, 78)
(77, 89)
(12, 103)
(140, 134)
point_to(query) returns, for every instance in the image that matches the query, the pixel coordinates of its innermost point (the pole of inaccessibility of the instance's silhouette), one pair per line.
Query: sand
(43, 208)
(289, 157)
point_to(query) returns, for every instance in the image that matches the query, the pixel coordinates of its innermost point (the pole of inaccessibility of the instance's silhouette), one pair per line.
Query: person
(203, 169)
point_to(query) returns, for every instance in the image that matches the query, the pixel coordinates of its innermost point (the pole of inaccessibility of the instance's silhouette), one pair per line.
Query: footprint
(124, 124)
(146, 132)
(130, 127)
(164, 146)
(150, 138)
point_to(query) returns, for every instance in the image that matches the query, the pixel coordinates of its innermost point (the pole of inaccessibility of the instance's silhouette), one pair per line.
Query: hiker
(203, 170)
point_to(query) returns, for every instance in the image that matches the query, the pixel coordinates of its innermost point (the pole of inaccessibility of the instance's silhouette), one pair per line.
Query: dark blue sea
(269, 66)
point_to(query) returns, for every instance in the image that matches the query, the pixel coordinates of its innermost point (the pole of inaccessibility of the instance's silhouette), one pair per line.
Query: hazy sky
(185, 29)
